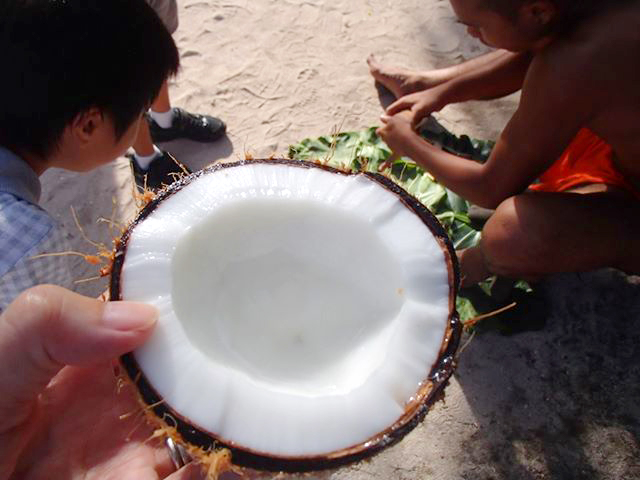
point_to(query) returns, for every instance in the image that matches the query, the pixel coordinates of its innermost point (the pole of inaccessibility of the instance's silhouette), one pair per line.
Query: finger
(192, 471)
(163, 464)
(383, 166)
(419, 112)
(399, 105)
(49, 327)
(405, 115)
(385, 119)
(382, 132)
(388, 162)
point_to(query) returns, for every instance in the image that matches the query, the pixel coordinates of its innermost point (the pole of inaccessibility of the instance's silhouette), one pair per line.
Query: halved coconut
(307, 316)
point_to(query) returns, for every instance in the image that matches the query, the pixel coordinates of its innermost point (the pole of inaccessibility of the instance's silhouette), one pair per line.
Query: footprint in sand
(307, 74)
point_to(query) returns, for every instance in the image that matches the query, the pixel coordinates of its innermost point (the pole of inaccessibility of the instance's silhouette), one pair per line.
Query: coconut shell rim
(415, 412)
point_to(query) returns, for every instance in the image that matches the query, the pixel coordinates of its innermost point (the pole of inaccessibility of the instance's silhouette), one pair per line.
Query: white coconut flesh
(300, 310)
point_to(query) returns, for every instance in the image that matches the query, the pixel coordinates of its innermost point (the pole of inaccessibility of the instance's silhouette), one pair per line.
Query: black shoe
(201, 128)
(163, 170)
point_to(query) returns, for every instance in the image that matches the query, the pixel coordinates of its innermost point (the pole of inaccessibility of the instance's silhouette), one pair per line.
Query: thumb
(49, 327)
(418, 113)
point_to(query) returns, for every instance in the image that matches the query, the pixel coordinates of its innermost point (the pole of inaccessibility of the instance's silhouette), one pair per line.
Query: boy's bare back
(605, 49)
(587, 77)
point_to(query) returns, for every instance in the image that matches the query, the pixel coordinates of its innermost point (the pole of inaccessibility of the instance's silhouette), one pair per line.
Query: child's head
(520, 24)
(79, 74)
(561, 10)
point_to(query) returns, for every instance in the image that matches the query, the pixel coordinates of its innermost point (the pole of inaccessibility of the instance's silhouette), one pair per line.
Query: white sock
(164, 119)
(144, 161)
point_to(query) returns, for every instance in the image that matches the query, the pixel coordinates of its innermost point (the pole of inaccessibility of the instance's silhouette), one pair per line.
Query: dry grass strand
(472, 322)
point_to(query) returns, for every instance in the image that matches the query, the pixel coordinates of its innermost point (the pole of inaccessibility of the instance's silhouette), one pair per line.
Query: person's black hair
(570, 11)
(60, 58)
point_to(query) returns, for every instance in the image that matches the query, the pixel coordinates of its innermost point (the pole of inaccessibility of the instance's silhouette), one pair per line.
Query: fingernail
(126, 316)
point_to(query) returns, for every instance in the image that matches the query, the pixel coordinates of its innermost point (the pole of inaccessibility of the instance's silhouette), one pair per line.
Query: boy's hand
(397, 132)
(419, 105)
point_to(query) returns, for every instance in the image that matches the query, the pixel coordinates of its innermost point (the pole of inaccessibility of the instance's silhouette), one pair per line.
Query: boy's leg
(162, 103)
(152, 167)
(536, 234)
(161, 113)
(145, 150)
(402, 81)
(167, 123)
(143, 144)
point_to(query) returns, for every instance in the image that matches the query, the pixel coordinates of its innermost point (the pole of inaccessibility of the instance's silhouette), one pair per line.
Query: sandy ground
(558, 403)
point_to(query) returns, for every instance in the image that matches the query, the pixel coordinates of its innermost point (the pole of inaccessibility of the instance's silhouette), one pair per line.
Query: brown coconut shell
(431, 389)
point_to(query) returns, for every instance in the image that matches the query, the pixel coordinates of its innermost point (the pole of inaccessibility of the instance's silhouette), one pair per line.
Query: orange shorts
(587, 159)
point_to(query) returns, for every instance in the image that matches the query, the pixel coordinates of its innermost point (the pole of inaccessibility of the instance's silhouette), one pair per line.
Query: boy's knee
(507, 243)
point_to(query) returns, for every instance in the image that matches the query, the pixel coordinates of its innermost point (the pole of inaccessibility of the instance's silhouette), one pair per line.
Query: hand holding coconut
(60, 412)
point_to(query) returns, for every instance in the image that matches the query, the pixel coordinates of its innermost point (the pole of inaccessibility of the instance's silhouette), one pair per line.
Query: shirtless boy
(577, 129)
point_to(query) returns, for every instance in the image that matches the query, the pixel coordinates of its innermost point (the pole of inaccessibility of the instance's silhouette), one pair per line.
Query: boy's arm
(498, 78)
(501, 76)
(555, 104)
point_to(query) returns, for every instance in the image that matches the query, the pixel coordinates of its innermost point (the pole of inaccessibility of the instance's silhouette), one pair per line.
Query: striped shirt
(26, 230)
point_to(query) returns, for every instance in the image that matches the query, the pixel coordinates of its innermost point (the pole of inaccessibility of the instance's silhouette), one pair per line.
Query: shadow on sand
(199, 155)
(562, 402)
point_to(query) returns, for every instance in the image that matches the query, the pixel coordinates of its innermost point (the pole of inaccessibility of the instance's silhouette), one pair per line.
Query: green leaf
(456, 202)
(365, 151)
(465, 308)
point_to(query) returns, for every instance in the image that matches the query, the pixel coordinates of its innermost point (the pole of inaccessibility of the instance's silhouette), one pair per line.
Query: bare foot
(402, 81)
